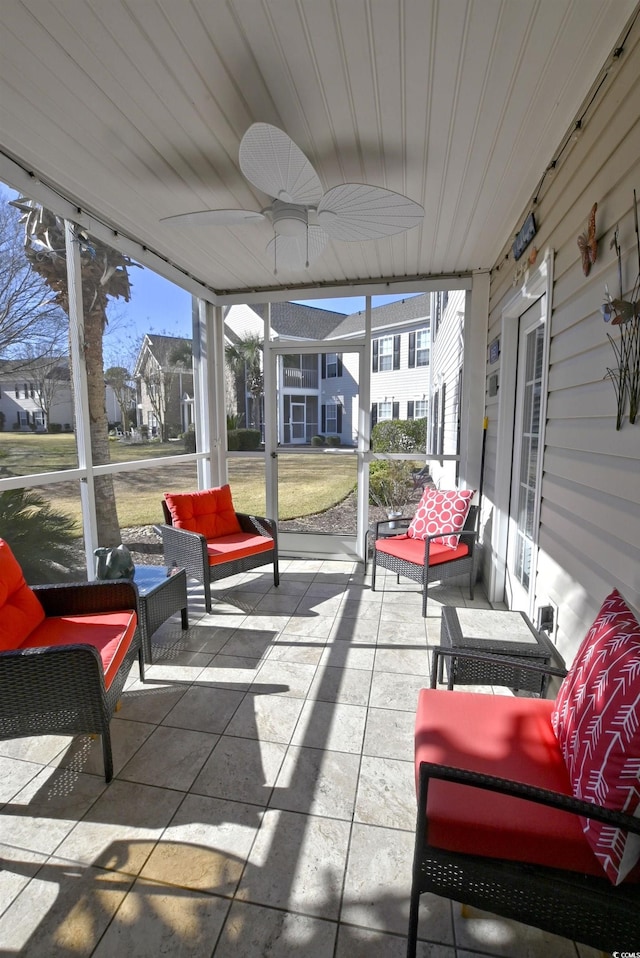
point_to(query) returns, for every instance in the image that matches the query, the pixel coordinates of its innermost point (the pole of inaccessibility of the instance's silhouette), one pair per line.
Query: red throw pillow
(441, 512)
(596, 720)
(20, 609)
(210, 512)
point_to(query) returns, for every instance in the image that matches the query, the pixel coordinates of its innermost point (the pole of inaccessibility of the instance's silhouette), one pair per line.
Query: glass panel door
(524, 511)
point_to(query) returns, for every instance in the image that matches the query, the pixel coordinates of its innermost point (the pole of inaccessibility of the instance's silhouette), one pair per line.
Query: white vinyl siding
(589, 529)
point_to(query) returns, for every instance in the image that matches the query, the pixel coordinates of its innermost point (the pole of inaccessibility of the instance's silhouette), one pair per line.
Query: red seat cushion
(110, 633)
(237, 546)
(412, 550)
(512, 738)
(210, 512)
(20, 608)
(597, 722)
(441, 511)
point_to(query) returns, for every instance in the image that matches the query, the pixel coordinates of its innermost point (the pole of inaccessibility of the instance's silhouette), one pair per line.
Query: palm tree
(244, 359)
(104, 276)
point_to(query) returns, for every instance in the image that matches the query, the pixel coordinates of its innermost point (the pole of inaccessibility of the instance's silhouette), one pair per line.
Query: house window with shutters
(419, 348)
(331, 421)
(386, 353)
(417, 408)
(331, 365)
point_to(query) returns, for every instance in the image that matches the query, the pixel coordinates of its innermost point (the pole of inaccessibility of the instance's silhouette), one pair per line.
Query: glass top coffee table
(161, 592)
(503, 634)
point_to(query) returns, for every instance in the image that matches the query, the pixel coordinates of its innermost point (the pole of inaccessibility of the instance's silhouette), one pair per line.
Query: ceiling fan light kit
(303, 216)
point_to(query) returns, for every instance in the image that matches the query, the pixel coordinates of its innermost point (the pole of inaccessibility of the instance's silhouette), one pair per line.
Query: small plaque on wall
(493, 385)
(494, 350)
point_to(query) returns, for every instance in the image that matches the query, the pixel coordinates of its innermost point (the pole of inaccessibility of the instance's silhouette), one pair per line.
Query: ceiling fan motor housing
(289, 219)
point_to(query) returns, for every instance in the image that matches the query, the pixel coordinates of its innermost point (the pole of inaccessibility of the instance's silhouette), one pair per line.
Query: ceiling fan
(303, 216)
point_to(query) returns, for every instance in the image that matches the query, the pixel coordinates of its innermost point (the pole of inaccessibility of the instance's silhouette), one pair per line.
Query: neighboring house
(318, 392)
(35, 395)
(164, 382)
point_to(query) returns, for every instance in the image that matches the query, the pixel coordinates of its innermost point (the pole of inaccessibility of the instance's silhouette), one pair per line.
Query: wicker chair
(191, 550)
(60, 689)
(575, 904)
(425, 566)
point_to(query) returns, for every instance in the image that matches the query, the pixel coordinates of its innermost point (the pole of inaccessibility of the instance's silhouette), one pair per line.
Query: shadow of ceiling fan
(303, 216)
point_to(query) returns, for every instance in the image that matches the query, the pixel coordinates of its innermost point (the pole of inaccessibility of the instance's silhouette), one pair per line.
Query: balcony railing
(300, 378)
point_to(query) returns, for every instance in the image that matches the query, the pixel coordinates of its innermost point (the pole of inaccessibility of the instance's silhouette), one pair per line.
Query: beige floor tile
(269, 931)
(62, 912)
(269, 718)
(311, 622)
(250, 643)
(412, 661)
(389, 734)
(306, 650)
(396, 690)
(120, 830)
(378, 885)
(362, 943)
(170, 758)
(331, 725)
(205, 709)
(15, 773)
(17, 868)
(318, 782)
(39, 749)
(205, 846)
(481, 931)
(348, 686)
(297, 862)
(294, 678)
(149, 701)
(85, 752)
(158, 920)
(241, 769)
(230, 671)
(386, 793)
(345, 655)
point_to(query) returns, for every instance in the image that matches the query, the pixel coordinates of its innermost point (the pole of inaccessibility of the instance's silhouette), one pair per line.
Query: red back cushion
(441, 511)
(20, 609)
(209, 512)
(596, 720)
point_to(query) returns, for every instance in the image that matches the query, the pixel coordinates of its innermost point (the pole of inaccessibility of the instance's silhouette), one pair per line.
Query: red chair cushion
(597, 722)
(110, 633)
(20, 608)
(412, 550)
(237, 546)
(441, 511)
(512, 738)
(210, 512)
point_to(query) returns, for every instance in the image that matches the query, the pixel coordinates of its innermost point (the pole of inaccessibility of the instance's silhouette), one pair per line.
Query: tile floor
(263, 797)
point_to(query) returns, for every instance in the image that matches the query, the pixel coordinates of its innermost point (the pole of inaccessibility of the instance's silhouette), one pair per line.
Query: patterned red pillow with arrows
(597, 723)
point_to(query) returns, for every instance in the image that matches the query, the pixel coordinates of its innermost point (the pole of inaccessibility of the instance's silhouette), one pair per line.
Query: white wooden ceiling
(134, 110)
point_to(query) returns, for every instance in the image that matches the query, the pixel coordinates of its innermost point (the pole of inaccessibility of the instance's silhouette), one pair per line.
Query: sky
(159, 306)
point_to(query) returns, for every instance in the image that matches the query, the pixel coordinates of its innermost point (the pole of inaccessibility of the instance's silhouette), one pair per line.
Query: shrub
(242, 440)
(390, 485)
(317, 440)
(399, 435)
(42, 540)
(189, 439)
(55, 427)
(2, 421)
(333, 441)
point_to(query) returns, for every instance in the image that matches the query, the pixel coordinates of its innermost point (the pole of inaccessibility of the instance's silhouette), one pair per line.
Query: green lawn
(306, 484)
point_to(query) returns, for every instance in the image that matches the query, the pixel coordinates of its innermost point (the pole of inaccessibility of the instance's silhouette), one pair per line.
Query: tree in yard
(28, 314)
(121, 381)
(104, 274)
(244, 359)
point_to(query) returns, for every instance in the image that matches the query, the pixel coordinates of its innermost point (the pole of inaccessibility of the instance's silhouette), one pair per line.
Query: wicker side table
(509, 634)
(160, 594)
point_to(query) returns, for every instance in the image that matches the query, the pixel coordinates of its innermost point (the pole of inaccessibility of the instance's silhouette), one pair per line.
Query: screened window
(386, 354)
(420, 408)
(422, 347)
(332, 417)
(385, 410)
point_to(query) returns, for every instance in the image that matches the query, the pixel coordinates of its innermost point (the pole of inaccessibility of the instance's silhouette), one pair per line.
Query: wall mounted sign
(524, 236)
(494, 351)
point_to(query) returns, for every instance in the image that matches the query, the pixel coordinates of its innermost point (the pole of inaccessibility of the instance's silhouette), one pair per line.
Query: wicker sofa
(205, 535)
(527, 807)
(65, 654)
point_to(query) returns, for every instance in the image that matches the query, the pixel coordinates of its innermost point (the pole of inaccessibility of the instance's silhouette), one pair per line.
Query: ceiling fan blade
(354, 212)
(216, 218)
(291, 253)
(271, 161)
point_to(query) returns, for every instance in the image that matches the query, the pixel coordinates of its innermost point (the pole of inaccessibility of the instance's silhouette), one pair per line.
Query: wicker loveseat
(65, 654)
(527, 807)
(205, 535)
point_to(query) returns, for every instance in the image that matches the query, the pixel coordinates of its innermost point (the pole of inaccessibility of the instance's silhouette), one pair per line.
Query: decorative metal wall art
(588, 243)
(625, 313)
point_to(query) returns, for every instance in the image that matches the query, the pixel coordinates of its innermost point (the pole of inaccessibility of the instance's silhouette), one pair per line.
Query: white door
(524, 510)
(298, 422)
